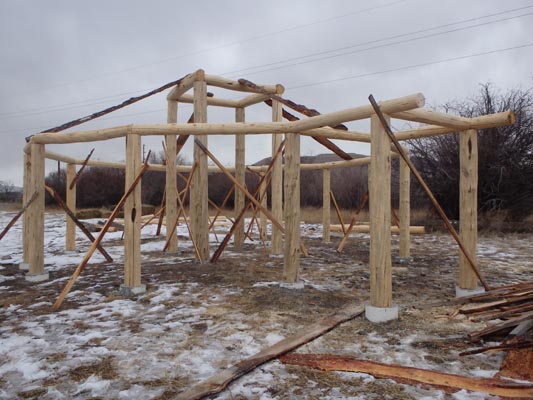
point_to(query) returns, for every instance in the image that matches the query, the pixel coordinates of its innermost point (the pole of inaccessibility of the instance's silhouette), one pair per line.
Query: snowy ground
(197, 319)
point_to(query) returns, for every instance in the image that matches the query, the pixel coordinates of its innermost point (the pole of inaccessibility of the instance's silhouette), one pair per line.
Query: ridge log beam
(171, 208)
(70, 236)
(199, 193)
(468, 180)
(185, 84)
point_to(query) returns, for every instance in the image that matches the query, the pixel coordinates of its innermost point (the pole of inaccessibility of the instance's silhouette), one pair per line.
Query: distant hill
(318, 159)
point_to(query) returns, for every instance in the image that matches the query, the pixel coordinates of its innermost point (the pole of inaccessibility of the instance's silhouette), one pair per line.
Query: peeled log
(408, 375)
(414, 230)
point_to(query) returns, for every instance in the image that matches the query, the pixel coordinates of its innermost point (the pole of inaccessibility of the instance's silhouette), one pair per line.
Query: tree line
(505, 167)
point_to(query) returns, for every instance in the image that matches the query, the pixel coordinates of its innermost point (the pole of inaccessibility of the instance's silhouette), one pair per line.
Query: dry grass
(105, 369)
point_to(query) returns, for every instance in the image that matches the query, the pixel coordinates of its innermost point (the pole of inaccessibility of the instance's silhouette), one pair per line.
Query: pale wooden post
(25, 217)
(326, 205)
(70, 240)
(379, 187)
(36, 216)
(199, 200)
(276, 183)
(240, 176)
(132, 220)
(405, 210)
(468, 182)
(171, 205)
(292, 207)
(262, 217)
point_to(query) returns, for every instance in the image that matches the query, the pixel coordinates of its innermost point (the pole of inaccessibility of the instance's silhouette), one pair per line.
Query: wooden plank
(409, 375)
(263, 197)
(70, 234)
(276, 182)
(198, 205)
(132, 215)
(99, 238)
(220, 381)
(426, 188)
(240, 176)
(326, 205)
(337, 211)
(468, 182)
(379, 190)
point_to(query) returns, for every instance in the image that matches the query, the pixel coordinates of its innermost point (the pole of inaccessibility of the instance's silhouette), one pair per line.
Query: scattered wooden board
(220, 381)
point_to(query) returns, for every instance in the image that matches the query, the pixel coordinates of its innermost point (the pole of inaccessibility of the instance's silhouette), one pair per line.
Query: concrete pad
(24, 266)
(381, 314)
(289, 285)
(132, 291)
(460, 292)
(35, 278)
(402, 260)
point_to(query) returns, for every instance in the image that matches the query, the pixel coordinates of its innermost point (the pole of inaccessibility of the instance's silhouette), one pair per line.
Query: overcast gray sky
(63, 59)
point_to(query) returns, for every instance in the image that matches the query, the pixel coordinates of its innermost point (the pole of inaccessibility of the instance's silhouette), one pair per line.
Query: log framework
(284, 179)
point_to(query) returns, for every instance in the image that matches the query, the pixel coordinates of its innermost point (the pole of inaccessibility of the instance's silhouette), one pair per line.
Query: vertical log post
(405, 211)
(326, 205)
(70, 239)
(468, 209)
(262, 217)
(36, 216)
(276, 182)
(240, 176)
(379, 184)
(171, 206)
(199, 201)
(24, 265)
(292, 208)
(132, 220)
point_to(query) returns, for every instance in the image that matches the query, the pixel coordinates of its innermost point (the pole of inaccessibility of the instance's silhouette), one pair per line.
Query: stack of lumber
(508, 311)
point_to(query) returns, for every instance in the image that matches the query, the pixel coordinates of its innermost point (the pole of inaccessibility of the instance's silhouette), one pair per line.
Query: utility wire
(225, 45)
(407, 67)
(68, 106)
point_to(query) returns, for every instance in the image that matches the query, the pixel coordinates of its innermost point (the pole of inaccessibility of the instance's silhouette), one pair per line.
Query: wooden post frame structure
(285, 174)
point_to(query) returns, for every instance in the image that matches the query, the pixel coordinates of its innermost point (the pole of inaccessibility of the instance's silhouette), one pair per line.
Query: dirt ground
(197, 319)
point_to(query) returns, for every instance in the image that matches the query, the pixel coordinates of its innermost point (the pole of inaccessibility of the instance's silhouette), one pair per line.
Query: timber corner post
(199, 202)
(132, 220)
(380, 308)
(35, 231)
(468, 183)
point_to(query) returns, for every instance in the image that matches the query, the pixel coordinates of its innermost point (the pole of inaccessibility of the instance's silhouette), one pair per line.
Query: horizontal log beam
(334, 118)
(211, 101)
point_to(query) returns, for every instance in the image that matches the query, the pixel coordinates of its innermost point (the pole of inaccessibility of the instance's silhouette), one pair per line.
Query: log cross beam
(430, 195)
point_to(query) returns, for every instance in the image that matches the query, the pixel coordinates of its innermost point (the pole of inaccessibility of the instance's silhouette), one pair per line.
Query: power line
(372, 47)
(24, 113)
(230, 44)
(407, 67)
(413, 66)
